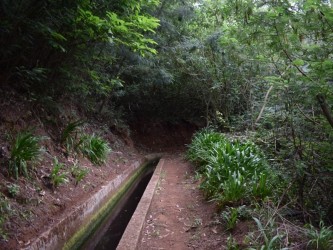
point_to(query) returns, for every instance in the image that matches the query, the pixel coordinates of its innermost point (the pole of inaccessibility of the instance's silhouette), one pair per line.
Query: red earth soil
(180, 217)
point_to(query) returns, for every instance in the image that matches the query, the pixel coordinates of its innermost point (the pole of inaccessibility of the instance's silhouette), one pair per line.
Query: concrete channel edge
(130, 238)
(57, 237)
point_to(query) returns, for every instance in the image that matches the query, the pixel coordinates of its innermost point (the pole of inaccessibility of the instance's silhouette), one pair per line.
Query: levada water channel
(110, 231)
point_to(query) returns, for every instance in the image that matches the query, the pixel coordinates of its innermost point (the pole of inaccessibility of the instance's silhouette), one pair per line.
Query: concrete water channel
(109, 233)
(100, 222)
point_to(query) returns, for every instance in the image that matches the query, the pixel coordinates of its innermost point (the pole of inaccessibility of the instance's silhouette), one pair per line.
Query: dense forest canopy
(238, 65)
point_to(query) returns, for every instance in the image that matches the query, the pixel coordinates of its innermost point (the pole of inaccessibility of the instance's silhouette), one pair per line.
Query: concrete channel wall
(70, 231)
(131, 236)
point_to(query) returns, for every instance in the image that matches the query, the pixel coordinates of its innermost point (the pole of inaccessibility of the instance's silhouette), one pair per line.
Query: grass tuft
(57, 177)
(79, 173)
(95, 148)
(321, 238)
(70, 133)
(24, 150)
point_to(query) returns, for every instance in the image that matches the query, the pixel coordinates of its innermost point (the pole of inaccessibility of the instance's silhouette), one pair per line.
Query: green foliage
(3, 234)
(5, 211)
(270, 241)
(281, 52)
(260, 187)
(72, 46)
(78, 173)
(321, 238)
(56, 176)
(91, 146)
(237, 64)
(230, 217)
(5, 207)
(232, 244)
(31, 76)
(274, 231)
(201, 145)
(69, 135)
(194, 77)
(128, 31)
(234, 189)
(232, 171)
(13, 189)
(24, 150)
(94, 148)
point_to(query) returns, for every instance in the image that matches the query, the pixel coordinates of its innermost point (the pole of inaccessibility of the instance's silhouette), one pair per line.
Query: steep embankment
(31, 205)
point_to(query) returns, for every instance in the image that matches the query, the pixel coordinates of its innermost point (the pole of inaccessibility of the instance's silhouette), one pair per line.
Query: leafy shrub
(232, 171)
(24, 149)
(56, 176)
(94, 148)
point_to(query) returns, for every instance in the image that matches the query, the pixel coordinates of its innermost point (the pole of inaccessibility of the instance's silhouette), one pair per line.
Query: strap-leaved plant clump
(25, 150)
(232, 171)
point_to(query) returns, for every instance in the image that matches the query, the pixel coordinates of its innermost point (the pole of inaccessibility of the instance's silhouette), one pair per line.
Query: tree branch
(325, 108)
(265, 102)
(306, 116)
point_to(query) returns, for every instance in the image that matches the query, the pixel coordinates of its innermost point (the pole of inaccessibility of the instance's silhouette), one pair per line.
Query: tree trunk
(325, 108)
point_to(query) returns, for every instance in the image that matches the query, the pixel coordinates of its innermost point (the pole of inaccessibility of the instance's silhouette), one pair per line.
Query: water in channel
(109, 235)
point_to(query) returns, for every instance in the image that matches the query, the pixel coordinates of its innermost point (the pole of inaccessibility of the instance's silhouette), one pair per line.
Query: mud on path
(179, 217)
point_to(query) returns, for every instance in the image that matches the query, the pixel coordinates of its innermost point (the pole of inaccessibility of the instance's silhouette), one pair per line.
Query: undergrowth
(57, 176)
(236, 175)
(13, 189)
(70, 134)
(25, 150)
(321, 238)
(232, 171)
(94, 148)
(5, 211)
(79, 173)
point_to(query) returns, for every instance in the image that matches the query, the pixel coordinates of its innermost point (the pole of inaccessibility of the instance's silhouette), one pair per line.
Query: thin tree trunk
(325, 108)
(264, 105)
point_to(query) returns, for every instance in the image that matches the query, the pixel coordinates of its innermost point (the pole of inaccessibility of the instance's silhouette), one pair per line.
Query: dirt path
(179, 217)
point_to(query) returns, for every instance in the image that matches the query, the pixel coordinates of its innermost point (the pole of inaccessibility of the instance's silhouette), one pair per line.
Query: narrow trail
(179, 217)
